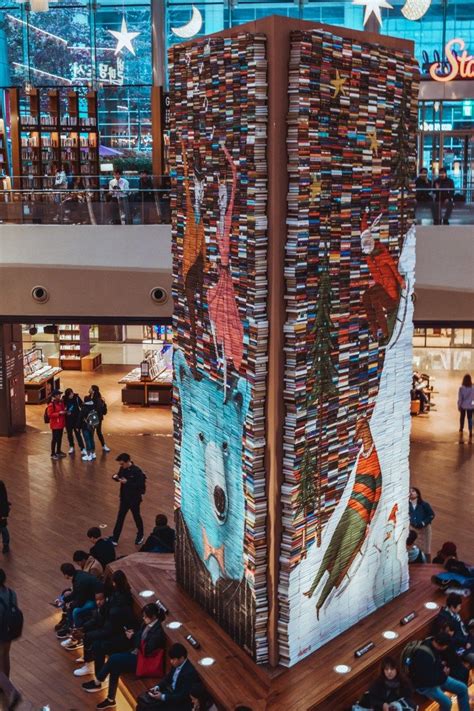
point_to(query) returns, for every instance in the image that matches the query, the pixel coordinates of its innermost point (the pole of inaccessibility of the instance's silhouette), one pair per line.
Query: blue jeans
(89, 439)
(456, 687)
(77, 615)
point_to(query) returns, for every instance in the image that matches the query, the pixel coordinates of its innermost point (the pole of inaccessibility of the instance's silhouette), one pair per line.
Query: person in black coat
(161, 539)
(72, 404)
(103, 549)
(421, 516)
(456, 661)
(173, 692)
(82, 598)
(101, 408)
(132, 487)
(149, 638)
(452, 613)
(389, 687)
(4, 513)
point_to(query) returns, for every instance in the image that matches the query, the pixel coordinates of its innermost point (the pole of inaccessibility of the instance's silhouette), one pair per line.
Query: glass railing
(444, 207)
(90, 206)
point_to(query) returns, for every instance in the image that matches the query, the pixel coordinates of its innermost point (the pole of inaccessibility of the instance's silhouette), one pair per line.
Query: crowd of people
(430, 667)
(438, 193)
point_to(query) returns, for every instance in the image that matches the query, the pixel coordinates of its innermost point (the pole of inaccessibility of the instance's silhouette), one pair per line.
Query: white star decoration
(373, 7)
(124, 38)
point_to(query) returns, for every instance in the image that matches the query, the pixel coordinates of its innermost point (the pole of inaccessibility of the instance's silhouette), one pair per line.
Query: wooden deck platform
(310, 685)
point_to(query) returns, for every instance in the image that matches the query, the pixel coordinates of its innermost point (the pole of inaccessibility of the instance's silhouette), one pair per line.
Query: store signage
(460, 64)
(106, 72)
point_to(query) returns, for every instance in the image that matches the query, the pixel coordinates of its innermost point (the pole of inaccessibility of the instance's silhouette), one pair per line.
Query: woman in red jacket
(57, 423)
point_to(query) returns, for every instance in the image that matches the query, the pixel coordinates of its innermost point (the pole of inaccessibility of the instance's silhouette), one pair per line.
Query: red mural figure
(353, 527)
(382, 298)
(194, 247)
(226, 325)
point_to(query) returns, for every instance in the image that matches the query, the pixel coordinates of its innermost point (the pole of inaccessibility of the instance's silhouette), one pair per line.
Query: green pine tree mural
(402, 164)
(323, 377)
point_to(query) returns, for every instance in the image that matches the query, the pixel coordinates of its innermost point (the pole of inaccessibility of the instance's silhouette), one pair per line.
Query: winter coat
(57, 419)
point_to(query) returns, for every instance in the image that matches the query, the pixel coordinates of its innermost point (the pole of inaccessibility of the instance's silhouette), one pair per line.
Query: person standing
(101, 409)
(443, 189)
(421, 516)
(118, 192)
(7, 600)
(466, 405)
(72, 404)
(4, 511)
(57, 423)
(132, 487)
(88, 420)
(423, 187)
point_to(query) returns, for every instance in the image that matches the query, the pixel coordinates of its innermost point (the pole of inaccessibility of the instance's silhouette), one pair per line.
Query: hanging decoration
(192, 28)
(415, 9)
(124, 38)
(372, 7)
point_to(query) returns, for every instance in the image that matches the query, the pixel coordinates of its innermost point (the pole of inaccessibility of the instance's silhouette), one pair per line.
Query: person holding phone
(174, 691)
(56, 412)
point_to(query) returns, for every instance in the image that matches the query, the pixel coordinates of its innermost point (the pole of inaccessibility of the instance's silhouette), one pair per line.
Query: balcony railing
(85, 207)
(444, 207)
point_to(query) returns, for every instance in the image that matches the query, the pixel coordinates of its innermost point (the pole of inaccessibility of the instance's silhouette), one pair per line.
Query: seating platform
(310, 685)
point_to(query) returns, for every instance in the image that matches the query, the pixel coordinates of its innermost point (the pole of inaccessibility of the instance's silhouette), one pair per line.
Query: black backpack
(46, 416)
(12, 624)
(408, 652)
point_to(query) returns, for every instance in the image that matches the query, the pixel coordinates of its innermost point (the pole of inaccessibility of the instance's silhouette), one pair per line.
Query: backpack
(46, 416)
(12, 624)
(93, 420)
(102, 407)
(142, 483)
(409, 651)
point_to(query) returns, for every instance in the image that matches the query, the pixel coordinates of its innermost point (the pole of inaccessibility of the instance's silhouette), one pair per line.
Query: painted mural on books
(217, 151)
(349, 270)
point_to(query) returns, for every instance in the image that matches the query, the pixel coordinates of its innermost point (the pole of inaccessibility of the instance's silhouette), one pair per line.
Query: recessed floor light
(390, 634)
(146, 593)
(174, 625)
(207, 661)
(342, 669)
(431, 605)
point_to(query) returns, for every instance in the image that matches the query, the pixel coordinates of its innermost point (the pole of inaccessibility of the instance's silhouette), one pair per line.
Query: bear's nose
(219, 501)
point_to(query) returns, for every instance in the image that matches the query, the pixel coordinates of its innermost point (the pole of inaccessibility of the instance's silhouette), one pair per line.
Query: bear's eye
(225, 446)
(201, 437)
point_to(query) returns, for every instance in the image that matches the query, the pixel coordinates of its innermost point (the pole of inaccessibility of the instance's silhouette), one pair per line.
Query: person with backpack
(5, 506)
(429, 673)
(88, 422)
(72, 405)
(11, 622)
(132, 488)
(101, 409)
(55, 415)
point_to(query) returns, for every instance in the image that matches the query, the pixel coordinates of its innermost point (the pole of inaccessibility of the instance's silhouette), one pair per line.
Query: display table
(88, 363)
(40, 377)
(147, 392)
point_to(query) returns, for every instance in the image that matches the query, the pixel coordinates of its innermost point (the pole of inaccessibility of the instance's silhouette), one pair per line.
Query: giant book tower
(292, 147)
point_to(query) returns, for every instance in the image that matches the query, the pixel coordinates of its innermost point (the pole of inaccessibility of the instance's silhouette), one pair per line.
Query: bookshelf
(74, 344)
(51, 126)
(3, 149)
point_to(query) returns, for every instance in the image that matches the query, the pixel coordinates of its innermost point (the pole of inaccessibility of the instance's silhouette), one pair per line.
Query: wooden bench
(310, 685)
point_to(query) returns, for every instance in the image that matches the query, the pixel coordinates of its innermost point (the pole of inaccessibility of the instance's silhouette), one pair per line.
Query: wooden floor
(55, 502)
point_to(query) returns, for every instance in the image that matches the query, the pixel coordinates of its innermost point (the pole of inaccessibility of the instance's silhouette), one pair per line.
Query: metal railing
(85, 206)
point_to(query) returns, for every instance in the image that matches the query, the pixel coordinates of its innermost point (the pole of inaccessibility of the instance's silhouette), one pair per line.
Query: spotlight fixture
(51, 330)
(33, 330)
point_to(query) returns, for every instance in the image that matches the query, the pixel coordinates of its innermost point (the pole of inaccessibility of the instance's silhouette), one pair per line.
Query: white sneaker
(85, 670)
(86, 458)
(71, 450)
(93, 456)
(105, 448)
(83, 451)
(79, 660)
(65, 642)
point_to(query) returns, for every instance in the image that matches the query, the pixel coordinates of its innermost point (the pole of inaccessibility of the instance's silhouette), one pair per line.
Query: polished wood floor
(55, 502)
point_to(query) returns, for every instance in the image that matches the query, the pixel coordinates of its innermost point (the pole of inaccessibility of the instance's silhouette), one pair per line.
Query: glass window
(123, 67)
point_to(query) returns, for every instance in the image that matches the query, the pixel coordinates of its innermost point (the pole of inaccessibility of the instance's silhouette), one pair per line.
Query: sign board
(459, 64)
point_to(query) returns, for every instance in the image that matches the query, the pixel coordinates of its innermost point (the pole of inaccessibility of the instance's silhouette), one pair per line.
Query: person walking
(57, 423)
(72, 405)
(132, 487)
(4, 511)
(101, 409)
(8, 600)
(465, 405)
(421, 516)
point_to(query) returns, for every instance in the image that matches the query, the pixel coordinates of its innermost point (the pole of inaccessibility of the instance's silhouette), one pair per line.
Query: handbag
(152, 665)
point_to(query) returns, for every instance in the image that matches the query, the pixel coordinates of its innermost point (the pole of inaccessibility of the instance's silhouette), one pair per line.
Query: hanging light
(39, 5)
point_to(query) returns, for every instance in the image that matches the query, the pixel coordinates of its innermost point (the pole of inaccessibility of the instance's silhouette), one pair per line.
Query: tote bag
(151, 666)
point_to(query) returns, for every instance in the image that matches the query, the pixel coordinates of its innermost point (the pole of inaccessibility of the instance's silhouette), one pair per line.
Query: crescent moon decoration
(415, 9)
(192, 28)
